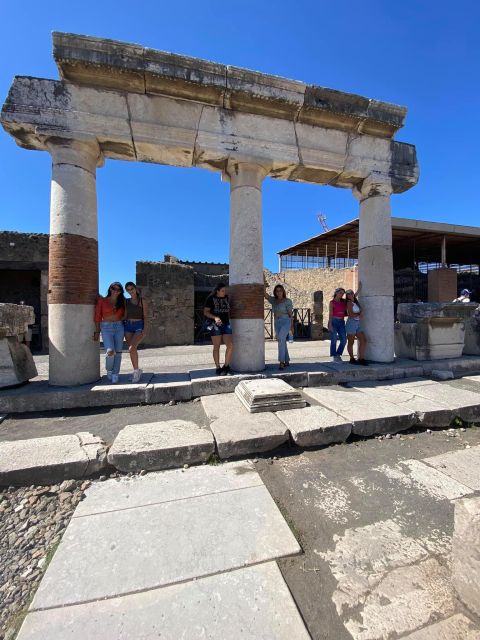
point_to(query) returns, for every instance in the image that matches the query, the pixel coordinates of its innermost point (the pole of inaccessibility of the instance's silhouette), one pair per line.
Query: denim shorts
(222, 330)
(353, 327)
(133, 326)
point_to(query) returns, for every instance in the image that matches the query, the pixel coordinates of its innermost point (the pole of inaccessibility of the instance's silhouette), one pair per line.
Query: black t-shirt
(219, 307)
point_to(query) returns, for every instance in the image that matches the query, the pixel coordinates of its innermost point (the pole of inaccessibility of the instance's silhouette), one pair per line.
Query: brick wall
(169, 290)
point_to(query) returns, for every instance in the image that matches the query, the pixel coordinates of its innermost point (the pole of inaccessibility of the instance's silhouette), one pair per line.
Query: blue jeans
(282, 327)
(112, 335)
(338, 328)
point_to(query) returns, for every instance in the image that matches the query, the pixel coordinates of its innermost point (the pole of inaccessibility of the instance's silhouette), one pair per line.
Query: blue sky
(422, 54)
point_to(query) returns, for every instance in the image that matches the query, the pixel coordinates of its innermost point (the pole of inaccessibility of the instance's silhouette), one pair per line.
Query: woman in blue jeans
(109, 316)
(282, 308)
(336, 324)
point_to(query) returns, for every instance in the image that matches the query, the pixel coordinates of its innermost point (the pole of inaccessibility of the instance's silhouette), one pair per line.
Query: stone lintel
(123, 66)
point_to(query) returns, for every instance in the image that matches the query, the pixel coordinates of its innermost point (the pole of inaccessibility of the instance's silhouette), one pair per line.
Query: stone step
(51, 460)
(160, 445)
(314, 426)
(367, 417)
(238, 432)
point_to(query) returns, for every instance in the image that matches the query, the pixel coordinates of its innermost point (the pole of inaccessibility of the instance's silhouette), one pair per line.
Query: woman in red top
(336, 324)
(109, 316)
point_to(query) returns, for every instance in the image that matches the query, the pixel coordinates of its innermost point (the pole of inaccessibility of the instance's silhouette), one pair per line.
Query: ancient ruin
(123, 101)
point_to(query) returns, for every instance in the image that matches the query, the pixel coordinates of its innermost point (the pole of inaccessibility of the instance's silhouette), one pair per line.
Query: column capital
(375, 184)
(84, 153)
(245, 173)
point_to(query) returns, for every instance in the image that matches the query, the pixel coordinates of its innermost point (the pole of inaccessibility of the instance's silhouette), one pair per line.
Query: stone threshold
(181, 387)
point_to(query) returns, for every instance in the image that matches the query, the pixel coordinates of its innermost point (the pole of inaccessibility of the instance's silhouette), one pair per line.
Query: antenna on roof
(322, 218)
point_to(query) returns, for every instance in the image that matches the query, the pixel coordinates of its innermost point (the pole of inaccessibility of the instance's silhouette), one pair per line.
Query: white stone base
(377, 323)
(74, 356)
(248, 345)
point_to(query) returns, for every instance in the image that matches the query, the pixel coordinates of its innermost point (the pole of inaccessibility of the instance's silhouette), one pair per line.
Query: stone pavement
(181, 373)
(171, 555)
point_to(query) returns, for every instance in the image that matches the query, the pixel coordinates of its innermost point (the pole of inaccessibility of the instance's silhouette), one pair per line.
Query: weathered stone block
(268, 395)
(160, 445)
(314, 426)
(466, 552)
(16, 362)
(49, 460)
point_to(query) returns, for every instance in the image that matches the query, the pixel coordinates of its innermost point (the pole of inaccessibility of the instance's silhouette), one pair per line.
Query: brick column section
(375, 267)
(246, 265)
(73, 263)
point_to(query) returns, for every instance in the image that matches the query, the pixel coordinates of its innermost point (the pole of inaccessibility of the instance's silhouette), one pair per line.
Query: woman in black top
(135, 326)
(217, 309)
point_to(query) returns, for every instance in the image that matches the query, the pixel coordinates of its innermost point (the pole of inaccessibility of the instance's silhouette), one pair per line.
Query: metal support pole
(444, 251)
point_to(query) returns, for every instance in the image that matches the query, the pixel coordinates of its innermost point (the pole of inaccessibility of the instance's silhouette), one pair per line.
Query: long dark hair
(220, 285)
(139, 293)
(355, 299)
(282, 288)
(120, 301)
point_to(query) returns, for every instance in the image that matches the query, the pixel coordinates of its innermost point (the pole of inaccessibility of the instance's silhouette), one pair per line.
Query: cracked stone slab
(160, 445)
(436, 484)
(50, 460)
(163, 544)
(166, 486)
(428, 412)
(462, 465)
(252, 603)
(367, 417)
(238, 432)
(313, 426)
(457, 627)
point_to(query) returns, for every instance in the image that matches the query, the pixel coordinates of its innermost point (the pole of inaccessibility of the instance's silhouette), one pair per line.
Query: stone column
(246, 265)
(375, 267)
(73, 263)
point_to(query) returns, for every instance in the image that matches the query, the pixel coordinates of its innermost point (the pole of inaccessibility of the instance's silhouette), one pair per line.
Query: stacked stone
(268, 395)
(16, 362)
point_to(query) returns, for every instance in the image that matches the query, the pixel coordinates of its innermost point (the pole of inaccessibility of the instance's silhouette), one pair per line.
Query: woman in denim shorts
(217, 310)
(135, 325)
(354, 328)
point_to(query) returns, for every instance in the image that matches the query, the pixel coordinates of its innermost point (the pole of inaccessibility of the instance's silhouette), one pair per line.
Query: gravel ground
(32, 521)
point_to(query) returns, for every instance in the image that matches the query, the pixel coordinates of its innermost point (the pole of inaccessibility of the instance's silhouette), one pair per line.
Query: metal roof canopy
(412, 241)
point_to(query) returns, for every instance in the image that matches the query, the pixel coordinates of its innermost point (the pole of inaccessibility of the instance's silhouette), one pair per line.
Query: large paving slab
(131, 550)
(252, 603)
(436, 484)
(466, 556)
(464, 404)
(160, 445)
(205, 382)
(271, 394)
(50, 460)
(167, 486)
(164, 387)
(238, 432)
(428, 412)
(457, 627)
(463, 466)
(314, 426)
(367, 417)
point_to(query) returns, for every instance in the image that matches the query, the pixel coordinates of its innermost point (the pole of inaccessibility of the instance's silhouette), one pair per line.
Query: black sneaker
(218, 371)
(227, 371)
(353, 361)
(363, 362)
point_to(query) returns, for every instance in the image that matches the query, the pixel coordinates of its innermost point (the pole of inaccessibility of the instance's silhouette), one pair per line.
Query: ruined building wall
(168, 288)
(24, 276)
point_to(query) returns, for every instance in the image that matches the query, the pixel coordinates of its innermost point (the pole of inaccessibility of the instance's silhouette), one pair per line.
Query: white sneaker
(114, 378)
(109, 375)
(338, 359)
(137, 374)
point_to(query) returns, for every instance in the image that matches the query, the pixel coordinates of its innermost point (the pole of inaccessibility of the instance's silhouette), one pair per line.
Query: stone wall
(301, 285)
(24, 276)
(168, 288)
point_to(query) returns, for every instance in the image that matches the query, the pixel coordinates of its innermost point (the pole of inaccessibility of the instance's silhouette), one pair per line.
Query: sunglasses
(115, 288)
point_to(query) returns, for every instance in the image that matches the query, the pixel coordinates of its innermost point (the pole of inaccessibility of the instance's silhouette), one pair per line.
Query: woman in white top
(354, 328)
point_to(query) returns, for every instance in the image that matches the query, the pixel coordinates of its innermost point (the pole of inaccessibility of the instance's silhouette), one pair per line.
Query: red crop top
(339, 308)
(104, 308)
